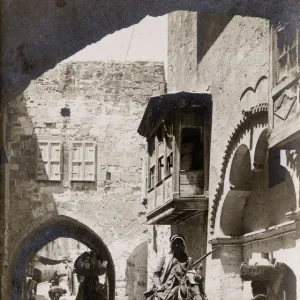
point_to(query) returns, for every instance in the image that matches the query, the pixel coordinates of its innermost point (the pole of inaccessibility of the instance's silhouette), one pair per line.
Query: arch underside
(248, 202)
(61, 227)
(48, 32)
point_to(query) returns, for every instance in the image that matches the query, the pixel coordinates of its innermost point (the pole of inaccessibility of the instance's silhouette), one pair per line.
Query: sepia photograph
(150, 150)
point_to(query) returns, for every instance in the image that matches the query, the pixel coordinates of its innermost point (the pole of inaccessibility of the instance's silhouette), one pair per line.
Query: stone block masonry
(97, 102)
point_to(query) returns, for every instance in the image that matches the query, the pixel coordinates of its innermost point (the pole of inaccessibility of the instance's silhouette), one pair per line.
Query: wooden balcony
(177, 127)
(167, 207)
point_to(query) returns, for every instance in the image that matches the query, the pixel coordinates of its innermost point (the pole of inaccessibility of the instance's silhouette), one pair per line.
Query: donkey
(191, 286)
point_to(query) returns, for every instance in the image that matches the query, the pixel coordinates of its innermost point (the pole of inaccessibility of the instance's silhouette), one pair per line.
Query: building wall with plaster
(230, 57)
(94, 102)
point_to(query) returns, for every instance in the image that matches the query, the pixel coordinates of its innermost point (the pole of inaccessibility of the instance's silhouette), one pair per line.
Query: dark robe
(169, 271)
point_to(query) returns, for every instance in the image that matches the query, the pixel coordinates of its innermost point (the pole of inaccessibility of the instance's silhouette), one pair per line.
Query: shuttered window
(49, 160)
(287, 42)
(83, 161)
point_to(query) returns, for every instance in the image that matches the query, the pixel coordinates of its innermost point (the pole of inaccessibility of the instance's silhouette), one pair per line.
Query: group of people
(170, 277)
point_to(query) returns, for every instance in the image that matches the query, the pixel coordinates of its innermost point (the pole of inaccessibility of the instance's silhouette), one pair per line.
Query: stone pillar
(231, 258)
(223, 279)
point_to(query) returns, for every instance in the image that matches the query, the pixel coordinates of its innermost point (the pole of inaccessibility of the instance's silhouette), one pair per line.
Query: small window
(83, 161)
(169, 167)
(160, 169)
(191, 149)
(286, 51)
(151, 177)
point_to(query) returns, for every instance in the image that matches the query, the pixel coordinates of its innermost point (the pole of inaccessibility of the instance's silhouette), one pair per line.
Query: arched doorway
(38, 238)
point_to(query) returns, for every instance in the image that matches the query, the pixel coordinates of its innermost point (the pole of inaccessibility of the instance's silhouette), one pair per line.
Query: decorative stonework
(284, 104)
(261, 109)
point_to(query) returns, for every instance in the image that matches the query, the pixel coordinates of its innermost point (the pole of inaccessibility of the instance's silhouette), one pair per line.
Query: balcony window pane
(191, 149)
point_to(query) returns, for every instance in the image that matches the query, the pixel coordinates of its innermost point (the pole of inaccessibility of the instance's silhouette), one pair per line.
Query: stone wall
(182, 50)
(237, 60)
(233, 64)
(98, 102)
(158, 245)
(195, 233)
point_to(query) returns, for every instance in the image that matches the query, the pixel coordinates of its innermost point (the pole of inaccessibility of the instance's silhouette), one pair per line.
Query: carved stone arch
(260, 151)
(240, 181)
(240, 170)
(39, 237)
(256, 115)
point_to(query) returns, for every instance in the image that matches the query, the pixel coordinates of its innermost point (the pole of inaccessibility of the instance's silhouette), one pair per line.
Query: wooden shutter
(76, 157)
(42, 160)
(83, 161)
(55, 161)
(49, 160)
(89, 165)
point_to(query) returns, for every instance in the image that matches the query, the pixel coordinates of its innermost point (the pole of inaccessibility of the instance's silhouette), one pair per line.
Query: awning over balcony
(160, 106)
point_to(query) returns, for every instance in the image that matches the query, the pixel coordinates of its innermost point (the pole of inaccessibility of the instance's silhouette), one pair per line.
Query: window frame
(290, 74)
(83, 161)
(151, 181)
(47, 176)
(169, 164)
(151, 163)
(160, 169)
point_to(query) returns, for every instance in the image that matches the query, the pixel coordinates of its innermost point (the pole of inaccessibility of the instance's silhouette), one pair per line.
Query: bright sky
(149, 43)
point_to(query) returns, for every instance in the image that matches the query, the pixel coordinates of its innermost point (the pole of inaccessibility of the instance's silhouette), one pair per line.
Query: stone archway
(241, 186)
(49, 31)
(53, 229)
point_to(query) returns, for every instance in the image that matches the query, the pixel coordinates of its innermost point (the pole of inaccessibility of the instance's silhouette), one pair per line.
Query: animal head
(190, 286)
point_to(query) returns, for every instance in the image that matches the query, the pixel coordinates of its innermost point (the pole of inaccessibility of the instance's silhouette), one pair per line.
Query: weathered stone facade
(248, 215)
(248, 197)
(110, 99)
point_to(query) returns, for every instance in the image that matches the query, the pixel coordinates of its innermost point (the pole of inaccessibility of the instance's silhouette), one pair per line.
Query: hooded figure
(171, 268)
